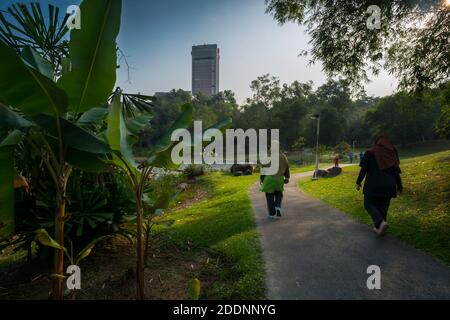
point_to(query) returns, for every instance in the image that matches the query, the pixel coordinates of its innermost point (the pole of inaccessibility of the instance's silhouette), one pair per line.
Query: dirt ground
(109, 273)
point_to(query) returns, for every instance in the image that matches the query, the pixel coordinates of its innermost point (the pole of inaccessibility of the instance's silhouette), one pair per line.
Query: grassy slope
(421, 217)
(223, 223)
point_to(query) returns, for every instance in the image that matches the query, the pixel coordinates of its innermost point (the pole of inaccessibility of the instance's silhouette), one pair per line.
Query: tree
(299, 145)
(266, 90)
(336, 95)
(443, 123)
(332, 126)
(403, 118)
(286, 116)
(411, 40)
(44, 113)
(167, 108)
(333, 102)
(138, 174)
(342, 148)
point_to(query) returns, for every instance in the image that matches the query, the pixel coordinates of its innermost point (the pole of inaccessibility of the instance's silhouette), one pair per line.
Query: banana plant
(139, 174)
(7, 178)
(46, 110)
(45, 239)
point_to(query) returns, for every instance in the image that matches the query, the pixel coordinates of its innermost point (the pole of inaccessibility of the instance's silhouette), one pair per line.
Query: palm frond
(23, 25)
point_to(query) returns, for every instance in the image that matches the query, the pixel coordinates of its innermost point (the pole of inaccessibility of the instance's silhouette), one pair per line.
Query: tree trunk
(58, 268)
(29, 253)
(147, 240)
(140, 290)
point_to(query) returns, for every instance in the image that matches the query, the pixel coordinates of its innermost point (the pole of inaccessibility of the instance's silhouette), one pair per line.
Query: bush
(193, 171)
(342, 149)
(97, 204)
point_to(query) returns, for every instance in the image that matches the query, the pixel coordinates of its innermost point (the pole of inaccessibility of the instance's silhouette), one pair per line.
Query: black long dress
(380, 187)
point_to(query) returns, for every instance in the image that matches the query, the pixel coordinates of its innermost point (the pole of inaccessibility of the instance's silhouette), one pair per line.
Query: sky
(157, 36)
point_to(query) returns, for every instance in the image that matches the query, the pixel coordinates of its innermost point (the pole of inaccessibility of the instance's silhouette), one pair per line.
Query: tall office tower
(205, 69)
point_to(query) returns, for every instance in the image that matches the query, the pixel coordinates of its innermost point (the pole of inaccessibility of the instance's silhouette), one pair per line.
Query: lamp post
(316, 172)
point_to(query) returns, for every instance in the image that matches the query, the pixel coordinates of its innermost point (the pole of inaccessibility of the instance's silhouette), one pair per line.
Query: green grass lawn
(223, 224)
(420, 217)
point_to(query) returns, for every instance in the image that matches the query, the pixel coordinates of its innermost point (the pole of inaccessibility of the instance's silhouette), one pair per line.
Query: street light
(316, 172)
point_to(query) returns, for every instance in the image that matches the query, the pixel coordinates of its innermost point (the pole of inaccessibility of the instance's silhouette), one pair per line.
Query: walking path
(317, 252)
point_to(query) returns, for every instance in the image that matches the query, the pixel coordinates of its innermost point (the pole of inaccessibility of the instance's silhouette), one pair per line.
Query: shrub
(193, 171)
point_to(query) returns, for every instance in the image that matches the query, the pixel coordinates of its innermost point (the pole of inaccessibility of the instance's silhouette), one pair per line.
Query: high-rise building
(205, 69)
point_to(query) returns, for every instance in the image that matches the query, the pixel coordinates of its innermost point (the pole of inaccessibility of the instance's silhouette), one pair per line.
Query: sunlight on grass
(224, 224)
(421, 217)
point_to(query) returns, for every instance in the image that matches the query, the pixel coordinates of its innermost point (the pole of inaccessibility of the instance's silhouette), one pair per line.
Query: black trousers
(274, 200)
(378, 208)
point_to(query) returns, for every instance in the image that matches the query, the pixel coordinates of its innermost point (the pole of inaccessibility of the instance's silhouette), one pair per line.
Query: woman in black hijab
(380, 167)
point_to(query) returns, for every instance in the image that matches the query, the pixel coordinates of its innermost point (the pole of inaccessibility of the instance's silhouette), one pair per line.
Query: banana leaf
(93, 55)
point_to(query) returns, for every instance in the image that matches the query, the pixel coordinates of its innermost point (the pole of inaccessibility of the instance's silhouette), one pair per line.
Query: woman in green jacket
(273, 186)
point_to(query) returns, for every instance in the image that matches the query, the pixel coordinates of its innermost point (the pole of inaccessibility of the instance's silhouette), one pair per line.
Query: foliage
(443, 123)
(7, 183)
(291, 106)
(299, 144)
(93, 56)
(167, 108)
(43, 238)
(344, 116)
(412, 41)
(26, 27)
(139, 174)
(194, 171)
(404, 118)
(194, 289)
(48, 129)
(342, 148)
(323, 149)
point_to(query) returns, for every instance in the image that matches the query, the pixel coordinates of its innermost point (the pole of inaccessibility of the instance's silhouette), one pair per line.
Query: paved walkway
(317, 252)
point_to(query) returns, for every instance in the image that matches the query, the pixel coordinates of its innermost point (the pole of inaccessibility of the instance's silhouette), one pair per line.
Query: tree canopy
(407, 38)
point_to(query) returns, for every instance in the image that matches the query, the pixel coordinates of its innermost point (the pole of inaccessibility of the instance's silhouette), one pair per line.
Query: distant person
(350, 156)
(380, 166)
(336, 161)
(273, 186)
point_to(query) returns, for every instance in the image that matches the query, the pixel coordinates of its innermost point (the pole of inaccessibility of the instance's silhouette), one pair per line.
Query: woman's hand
(358, 187)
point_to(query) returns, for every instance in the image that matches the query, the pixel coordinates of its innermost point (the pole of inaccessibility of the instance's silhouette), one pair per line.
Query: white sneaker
(383, 228)
(278, 212)
(270, 217)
